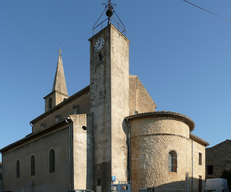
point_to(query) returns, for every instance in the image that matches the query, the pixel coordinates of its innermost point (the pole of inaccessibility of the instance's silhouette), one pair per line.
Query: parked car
(149, 189)
(216, 184)
(80, 190)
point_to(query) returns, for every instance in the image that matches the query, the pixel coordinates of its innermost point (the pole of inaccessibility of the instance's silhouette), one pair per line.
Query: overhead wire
(206, 10)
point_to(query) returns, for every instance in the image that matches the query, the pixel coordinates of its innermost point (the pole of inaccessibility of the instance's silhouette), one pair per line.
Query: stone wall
(119, 102)
(0, 176)
(82, 102)
(152, 138)
(219, 157)
(197, 168)
(109, 88)
(139, 99)
(151, 141)
(83, 154)
(43, 180)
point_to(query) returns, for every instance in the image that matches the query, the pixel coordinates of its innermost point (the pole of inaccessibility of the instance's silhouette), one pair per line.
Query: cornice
(37, 135)
(167, 114)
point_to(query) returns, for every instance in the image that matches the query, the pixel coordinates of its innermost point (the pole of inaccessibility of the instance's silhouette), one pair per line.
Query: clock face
(99, 45)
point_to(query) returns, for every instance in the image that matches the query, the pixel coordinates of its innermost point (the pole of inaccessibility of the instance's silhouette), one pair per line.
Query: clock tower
(109, 89)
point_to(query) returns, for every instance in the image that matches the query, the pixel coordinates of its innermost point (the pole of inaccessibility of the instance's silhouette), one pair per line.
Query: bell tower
(109, 89)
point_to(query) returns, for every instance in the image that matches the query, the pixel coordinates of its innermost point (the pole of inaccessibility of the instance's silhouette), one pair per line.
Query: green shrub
(227, 175)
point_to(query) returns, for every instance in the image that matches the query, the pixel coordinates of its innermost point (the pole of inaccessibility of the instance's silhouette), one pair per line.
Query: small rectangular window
(200, 184)
(200, 158)
(17, 169)
(52, 160)
(210, 169)
(100, 56)
(99, 180)
(32, 165)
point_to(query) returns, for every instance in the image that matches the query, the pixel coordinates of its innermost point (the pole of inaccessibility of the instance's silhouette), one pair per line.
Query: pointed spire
(59, 81)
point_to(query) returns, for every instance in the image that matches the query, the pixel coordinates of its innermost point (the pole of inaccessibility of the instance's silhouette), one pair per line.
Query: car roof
(75, 190)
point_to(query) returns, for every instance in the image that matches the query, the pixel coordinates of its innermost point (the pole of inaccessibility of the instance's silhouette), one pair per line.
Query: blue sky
(180, 53)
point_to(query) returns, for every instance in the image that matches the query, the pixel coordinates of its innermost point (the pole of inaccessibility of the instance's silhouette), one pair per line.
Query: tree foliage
(227, 175)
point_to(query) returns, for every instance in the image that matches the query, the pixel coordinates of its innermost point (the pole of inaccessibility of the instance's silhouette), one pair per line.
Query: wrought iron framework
(109, 8)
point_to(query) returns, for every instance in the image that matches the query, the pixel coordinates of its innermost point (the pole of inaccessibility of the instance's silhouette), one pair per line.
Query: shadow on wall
(182, 186)
(90, 152)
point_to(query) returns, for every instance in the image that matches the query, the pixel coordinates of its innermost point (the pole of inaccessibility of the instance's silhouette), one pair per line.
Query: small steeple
(59, 81)
(59, 89)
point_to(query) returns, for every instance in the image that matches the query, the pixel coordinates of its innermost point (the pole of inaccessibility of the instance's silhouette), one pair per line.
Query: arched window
(32, 165)
(172, 161)
(17, 169)
(50, 103)
(52, 160)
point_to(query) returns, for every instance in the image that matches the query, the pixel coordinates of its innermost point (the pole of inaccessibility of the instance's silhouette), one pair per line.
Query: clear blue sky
(181, 54)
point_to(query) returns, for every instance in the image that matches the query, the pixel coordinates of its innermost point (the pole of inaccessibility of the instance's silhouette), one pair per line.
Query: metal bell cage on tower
(110, 19)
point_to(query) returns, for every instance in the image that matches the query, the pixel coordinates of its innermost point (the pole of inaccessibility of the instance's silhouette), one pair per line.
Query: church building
(109, 128)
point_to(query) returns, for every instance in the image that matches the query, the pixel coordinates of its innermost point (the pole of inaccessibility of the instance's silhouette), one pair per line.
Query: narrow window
(17, 169)
(50, 103)
(32, 165)
(99, 180)
(52, 160)
(172, 161)
(210, 169)
(100, 56)
(200, 158)
(200, 184)
(98, 185)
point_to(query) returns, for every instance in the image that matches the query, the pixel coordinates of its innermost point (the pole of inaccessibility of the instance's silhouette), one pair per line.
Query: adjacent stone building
(0, 176)
(109, 128)
(218, 159)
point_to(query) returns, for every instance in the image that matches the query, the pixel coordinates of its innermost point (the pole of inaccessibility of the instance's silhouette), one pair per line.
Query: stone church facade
(109, 128)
